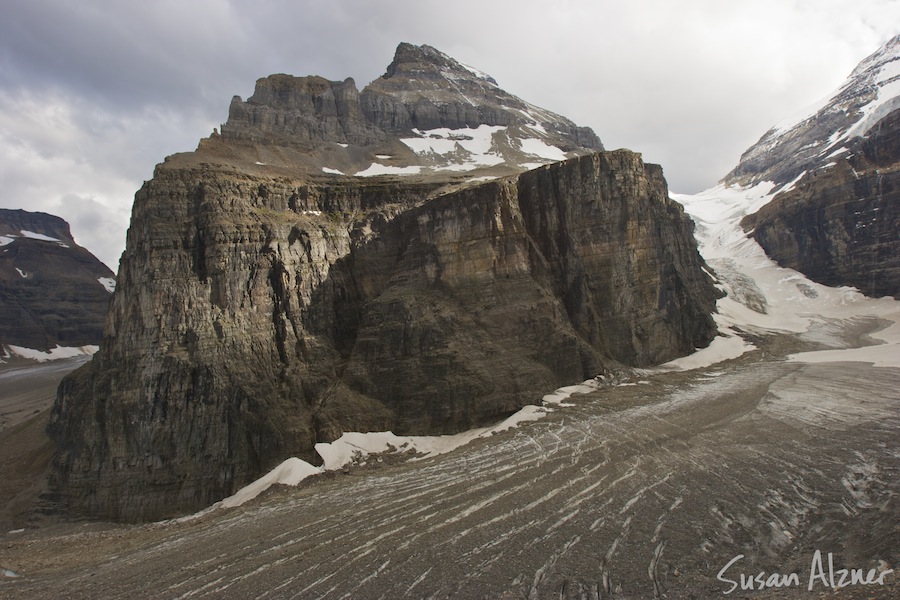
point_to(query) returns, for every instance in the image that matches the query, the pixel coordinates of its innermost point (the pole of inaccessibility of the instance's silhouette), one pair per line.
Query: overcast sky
(94, 93)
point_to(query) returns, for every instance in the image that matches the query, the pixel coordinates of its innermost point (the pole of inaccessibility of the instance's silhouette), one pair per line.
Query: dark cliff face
(839, 224)
(256, 316)
(53, 292)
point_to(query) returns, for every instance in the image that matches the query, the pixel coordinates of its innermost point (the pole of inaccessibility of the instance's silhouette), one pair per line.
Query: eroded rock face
(839, 224)
(256, 316)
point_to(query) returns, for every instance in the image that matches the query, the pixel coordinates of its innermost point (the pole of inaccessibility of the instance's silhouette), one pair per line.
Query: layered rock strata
(839, 225)
(258, 315)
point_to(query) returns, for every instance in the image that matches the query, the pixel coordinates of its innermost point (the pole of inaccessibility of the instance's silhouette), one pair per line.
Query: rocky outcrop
(258, 315)
(301, 111)
(53, 292)
(839, 224)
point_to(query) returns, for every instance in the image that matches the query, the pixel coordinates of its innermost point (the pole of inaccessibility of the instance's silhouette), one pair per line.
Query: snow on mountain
(803, 153)
(808, 139)
(428, 115)
(830, 208)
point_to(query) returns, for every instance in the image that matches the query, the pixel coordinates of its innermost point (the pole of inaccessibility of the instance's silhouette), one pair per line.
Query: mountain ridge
(428, 114)
(836, 182)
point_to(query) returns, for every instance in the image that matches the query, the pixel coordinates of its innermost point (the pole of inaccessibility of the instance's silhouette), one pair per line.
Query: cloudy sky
(94, 93)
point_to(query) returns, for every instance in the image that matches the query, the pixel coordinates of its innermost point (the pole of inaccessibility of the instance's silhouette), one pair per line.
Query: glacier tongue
(791, 301)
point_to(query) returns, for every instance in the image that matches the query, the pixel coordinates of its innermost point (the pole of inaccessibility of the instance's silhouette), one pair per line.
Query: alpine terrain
(763, 465)
(426, 256)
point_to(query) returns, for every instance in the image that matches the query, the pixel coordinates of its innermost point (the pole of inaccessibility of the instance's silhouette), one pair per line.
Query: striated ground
(644, 489)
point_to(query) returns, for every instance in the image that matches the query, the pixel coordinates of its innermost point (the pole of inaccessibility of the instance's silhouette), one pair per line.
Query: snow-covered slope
(833, 173)
(763, 297)
(814, 136)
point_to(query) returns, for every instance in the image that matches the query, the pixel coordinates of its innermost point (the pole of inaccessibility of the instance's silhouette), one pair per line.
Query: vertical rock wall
(255, 317)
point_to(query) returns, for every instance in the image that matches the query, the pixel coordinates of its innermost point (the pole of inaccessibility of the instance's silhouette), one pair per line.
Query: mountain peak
(410, 61)
(795, 145)
(53, 292)
(428, 115)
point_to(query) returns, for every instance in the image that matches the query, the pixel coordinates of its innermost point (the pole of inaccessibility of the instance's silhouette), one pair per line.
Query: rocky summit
(836, 172)
(53, 292)
(426, 256)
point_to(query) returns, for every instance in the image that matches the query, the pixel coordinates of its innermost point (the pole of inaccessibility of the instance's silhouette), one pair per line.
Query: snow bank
(38, 236)
(724, 347)
(379, 169)
(108, 282)
(356, 448)
(290, 472)
(57, 353)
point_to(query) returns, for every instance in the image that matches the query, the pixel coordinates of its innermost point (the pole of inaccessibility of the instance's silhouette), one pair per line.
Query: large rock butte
(261, 310)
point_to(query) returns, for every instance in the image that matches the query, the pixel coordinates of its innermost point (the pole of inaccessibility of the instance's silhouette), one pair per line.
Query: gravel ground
(643, 490)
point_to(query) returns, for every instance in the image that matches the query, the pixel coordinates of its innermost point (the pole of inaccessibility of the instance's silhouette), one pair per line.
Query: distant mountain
(836, 175)
(427, 114)
(53, 292)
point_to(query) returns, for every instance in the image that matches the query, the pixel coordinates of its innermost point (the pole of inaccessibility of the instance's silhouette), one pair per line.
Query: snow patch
(7, 239)
(464, 148)
(726, 346)
(38, 236)
(542, 149)
(57, 353)
(355, 448)
(332, 171)
(378, 169)
(108, 282)
(22, 273)
(479, 74)
(290, 472)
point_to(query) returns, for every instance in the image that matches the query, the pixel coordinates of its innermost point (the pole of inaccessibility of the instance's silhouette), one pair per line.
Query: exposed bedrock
(257, 316)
